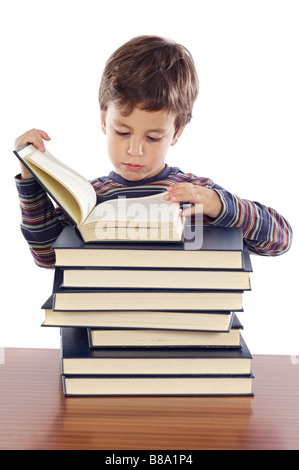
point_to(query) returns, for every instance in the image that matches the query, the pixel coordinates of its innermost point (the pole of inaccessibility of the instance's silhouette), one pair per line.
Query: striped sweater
(264, 230)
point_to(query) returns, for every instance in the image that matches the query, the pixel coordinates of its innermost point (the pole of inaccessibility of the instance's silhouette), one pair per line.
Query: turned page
(70, 190)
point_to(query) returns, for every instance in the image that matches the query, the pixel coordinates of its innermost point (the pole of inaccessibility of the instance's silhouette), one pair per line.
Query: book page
(148, 210)
(76, 184)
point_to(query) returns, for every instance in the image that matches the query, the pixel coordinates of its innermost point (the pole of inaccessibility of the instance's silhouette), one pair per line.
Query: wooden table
(34, 414)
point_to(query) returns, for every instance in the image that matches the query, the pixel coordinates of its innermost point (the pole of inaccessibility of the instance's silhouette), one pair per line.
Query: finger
(34, 137)
(174, 197)
(39, 137)
(195, 209)
(188, 212)
(43, 134)
(176, 191)
(38, 143)
(182, 195)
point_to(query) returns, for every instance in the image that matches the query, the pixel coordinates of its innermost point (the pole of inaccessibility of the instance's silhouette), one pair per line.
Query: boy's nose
(135, 148)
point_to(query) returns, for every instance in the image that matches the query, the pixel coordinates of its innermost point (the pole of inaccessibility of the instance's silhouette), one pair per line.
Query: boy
(146, 97)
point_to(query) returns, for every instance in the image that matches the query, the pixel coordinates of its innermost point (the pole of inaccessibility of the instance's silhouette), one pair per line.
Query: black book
(137, 337)
(79, 359)
(204, 247)
(158, 385)
(219, 321)
(141, 374)
(146, 299)
(154, 278)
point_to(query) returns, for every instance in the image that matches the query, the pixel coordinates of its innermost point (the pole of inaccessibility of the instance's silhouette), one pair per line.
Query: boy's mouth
(132, 167)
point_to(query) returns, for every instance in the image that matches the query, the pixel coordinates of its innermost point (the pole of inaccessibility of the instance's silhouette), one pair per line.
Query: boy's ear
(103, 121)
(177, 135)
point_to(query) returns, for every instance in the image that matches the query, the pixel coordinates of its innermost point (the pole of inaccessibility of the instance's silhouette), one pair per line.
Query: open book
(132, 219)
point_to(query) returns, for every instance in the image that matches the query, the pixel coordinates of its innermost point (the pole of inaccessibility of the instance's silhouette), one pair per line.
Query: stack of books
(157, 316)
(151, 318)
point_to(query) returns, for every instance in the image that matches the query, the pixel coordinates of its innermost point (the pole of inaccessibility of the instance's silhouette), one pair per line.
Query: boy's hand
(34, 137)
(198, 195)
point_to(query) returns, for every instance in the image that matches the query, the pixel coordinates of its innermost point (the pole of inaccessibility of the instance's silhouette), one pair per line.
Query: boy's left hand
(205, 200)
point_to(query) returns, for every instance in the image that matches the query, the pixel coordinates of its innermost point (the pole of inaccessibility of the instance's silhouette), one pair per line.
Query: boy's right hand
(35, 137)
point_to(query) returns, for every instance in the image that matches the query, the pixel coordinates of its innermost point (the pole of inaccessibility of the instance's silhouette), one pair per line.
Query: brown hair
(153, 73)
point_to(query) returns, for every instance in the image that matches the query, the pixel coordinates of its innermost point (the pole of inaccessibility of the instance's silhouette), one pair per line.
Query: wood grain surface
(34, 414)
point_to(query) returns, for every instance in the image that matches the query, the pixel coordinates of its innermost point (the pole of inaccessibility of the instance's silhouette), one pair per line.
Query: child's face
(138, 143)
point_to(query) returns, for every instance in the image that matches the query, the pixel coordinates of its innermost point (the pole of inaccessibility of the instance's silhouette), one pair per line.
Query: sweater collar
(160, 176)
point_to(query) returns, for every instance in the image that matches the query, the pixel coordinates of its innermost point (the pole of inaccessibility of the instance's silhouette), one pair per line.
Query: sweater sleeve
(265, 231)
(41, 222)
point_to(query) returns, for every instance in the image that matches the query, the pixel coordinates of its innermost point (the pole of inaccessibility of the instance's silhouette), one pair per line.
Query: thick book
(153, 278)
(219, 321)
(131, 219)
(116, 337)
(158, 385)
(215, 248)
(79, 359)
(147, 299)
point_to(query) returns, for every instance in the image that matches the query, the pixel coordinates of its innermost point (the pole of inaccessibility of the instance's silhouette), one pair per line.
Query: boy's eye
(122, 134)
(153, 139)
(126, 134)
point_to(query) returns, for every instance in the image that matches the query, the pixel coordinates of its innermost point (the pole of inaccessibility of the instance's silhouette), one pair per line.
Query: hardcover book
(154, 278)
(219, 321)
(78, 358)
(116, 337)
(150, 299)
(146, 218)
(216, 248)
(158, 385)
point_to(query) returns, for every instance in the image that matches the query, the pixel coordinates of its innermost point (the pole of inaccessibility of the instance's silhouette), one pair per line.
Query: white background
(244, 134)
